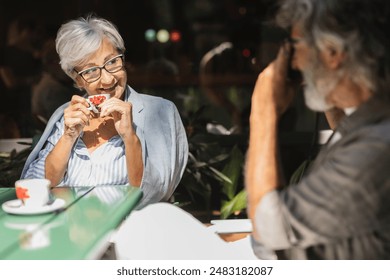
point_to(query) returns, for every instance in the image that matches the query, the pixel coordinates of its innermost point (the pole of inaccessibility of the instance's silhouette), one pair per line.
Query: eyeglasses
(93, 74)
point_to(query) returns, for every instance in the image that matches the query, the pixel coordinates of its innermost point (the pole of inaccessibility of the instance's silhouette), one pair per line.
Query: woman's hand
(76, 116)
(121, 112)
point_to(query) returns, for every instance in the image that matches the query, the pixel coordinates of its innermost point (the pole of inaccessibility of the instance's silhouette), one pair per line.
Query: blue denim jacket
(164, 144)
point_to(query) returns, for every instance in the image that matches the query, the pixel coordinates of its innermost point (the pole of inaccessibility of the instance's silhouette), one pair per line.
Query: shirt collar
(349, 111)
(373, 110)
(134, 98)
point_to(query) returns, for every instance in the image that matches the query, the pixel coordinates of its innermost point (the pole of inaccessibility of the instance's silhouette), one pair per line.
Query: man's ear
(332, 57)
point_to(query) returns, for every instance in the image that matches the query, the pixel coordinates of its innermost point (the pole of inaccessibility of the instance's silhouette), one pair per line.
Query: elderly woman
(134, 139)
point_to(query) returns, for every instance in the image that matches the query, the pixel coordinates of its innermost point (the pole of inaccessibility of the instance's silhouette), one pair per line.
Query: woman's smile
(108, 89)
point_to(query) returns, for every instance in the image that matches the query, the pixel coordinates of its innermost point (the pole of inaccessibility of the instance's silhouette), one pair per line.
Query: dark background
(237, 20)
(203, 25)
(217, 94)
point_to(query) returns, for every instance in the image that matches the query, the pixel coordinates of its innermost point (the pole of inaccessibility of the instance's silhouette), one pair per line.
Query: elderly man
(341, 208)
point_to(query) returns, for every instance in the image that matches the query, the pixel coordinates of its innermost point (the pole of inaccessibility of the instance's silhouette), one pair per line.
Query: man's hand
(273, 92)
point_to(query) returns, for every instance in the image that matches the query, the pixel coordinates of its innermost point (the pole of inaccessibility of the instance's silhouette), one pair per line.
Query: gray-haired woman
(130, 138)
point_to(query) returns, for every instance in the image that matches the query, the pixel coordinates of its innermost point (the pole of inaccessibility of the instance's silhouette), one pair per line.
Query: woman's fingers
(115, 105)
(76, 115)
(80, 107)
(77, 110)
(79, 99)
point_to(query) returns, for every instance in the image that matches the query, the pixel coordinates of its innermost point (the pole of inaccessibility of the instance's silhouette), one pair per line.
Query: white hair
(357, 28)
(78, 39)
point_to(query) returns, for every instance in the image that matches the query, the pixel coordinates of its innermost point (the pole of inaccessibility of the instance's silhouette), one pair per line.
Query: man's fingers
(283, 59)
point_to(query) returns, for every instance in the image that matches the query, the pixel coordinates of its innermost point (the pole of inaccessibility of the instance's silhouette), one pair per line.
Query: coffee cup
(95, 100)
(34, 193)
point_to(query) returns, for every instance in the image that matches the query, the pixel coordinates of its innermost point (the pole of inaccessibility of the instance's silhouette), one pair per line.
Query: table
(81, 230)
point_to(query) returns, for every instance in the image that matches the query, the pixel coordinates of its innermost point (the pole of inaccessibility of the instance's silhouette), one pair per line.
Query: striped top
(105, 166)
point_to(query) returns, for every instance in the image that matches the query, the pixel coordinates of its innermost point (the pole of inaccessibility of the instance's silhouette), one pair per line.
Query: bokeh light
(175, 36)
(150, 35)
(246, 52)
(163, 36)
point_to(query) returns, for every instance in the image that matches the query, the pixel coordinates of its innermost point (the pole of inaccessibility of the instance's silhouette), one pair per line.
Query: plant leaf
(233, 170)
(220, 175)
(238, 203)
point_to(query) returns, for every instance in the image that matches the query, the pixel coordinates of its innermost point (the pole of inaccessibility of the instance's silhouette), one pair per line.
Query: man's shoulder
(380, 131)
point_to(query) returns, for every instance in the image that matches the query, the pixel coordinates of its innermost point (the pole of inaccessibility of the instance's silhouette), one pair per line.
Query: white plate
(231, 226)
(15, 207)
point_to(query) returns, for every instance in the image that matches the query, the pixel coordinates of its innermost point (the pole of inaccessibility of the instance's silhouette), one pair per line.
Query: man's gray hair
(78, 39)
(357, 27)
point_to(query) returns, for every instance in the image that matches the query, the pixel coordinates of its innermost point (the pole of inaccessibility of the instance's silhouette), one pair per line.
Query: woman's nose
(106, 77)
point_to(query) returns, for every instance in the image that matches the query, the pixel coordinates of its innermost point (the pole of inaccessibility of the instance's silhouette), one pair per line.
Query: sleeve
(165, 152)
(279, 228)
(36, 169)
(271, 226)
(335, 201)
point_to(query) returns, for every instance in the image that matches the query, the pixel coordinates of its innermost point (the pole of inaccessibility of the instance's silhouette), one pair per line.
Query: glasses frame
(80, 73)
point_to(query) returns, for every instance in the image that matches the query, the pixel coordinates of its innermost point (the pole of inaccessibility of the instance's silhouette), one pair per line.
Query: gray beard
(319, 82)
(315, 98)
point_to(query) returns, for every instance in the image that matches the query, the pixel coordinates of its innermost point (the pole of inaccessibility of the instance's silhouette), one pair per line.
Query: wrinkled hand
(273, 91)
(76, 116)
(121, 112)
